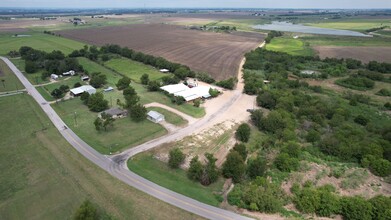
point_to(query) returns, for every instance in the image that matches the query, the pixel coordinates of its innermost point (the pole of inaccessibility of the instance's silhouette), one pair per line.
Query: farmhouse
(54, 76)
(69, 73)
(155, 117)
(189, 94)
(79, 90)
(115, 113)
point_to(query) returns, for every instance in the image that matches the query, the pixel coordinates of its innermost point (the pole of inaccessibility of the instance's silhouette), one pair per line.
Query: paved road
(117, 166)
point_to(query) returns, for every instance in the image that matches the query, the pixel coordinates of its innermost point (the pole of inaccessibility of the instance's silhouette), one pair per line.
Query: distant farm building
(85, 78)
(155, 117)
(189, 94)
(164, 71)
(69, 73)
(115, 113)
(109, 89)
(54, 76)
(80, 90)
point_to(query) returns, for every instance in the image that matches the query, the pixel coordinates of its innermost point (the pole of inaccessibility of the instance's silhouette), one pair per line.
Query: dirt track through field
(215, 53)
(365, 54)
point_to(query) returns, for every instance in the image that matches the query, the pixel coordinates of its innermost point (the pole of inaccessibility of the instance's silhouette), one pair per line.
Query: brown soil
(370, 186)
(365, 54)
(218, 54)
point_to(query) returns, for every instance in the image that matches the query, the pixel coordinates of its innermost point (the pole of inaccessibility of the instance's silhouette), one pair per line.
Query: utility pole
(75, 119)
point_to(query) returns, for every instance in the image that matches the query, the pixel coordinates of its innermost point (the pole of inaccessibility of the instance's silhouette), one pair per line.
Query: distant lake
(289, 27)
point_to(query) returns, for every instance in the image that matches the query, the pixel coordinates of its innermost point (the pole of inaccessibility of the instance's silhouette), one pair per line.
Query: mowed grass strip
(43, 177)
(290, 46)
(133, 69)
(124, 134)
(175, 179)
(8, 80)
(38, 41)
(170, 117)
(93, 67)
(353, 24)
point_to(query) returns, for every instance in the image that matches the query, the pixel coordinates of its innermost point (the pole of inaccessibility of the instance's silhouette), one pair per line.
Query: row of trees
(54, 62)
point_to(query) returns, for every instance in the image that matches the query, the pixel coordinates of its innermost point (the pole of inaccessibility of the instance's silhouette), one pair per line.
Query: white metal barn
(155, 117)
(79, 90)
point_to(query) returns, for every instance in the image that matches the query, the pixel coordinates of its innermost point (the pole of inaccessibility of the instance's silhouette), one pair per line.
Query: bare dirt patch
(365, 54)
(354, 181)
(216, 53)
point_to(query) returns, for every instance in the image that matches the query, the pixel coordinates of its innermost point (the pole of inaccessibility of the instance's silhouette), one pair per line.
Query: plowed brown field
(365, 54)
(217, 54)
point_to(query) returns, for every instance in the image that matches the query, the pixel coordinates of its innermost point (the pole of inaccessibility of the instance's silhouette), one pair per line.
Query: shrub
(356, 208)
(210, 173)
(57, 93)
(214, 92)
(123, 83)
(144, 79)
(356, 82)
(176, 158)
(256, 167)
(30, 67)
(384, 92)
(98, 80)
(371, 75)
(228, 83)
(153, 86)
(138, 113)
(243, 132)
(195, 170)
(286, 163)
(77, 85)
(361, 120)
(64, 88)
(204, 77)
(267, 100)
(381, 207)
(234, 167)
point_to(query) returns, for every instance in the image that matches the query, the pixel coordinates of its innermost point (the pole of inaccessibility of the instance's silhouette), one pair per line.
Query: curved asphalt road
(117, 166)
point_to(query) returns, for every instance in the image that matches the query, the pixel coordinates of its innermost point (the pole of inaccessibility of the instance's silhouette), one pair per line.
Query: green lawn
(124, 134)
(38, 41)
(174, 179)
(170, 117)
(353, 24)
(347, 41)
(34, 78)
(133, 70)
(290, 45)
(43, 177)
(8, 80)
(91, 67)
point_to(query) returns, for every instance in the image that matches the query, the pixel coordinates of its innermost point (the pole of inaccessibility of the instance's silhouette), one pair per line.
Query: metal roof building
(79, 90)
(155, 117)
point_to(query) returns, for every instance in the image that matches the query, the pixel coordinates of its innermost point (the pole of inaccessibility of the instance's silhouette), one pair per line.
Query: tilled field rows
(217, 54)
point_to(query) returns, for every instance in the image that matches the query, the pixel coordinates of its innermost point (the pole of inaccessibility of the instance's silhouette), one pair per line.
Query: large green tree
(175, 158)
(234, 167)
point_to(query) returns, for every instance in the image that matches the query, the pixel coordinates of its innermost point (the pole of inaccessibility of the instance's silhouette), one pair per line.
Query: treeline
(273, 34)
(54, 62)
(93, 53)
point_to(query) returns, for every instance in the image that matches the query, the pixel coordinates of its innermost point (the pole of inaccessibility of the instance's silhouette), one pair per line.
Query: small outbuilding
(85, 78)
(69, 73)
(80, 90)
(115, 113)
(164, 71)
(109, 89)
(54, 76)
(155, 117)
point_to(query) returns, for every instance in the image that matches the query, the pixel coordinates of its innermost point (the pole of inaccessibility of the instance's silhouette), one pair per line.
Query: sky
(340, 4)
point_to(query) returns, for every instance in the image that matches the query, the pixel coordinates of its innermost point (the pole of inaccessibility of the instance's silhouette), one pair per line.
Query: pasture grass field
(124, 134)
(134, 70)
(353, 24)
(8, 80)
(38, 41)
(34, 78)
(175, 179)
(290, 46)
(93, 67)
(39, 165)
(314, 40)
(169, 117)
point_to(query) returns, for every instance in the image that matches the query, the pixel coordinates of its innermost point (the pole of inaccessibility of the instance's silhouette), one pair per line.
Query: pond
(289, 27)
